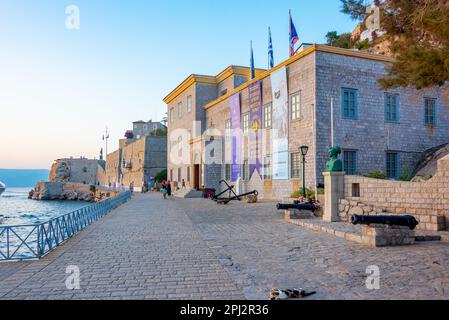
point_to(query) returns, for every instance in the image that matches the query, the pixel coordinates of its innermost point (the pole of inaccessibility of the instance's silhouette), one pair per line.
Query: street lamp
(304, 149)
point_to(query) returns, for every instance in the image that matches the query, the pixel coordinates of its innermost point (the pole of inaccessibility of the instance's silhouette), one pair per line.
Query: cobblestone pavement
(261, 251)
(145, 249)
(179, 248)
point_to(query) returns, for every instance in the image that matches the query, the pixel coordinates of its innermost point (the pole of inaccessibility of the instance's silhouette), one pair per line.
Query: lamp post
(304, 149)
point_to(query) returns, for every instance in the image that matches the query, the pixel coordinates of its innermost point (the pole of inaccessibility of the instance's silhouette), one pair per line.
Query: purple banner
(255, 132)
(236, 136)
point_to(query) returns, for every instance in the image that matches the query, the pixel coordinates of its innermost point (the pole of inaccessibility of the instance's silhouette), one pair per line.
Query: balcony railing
(33, 241)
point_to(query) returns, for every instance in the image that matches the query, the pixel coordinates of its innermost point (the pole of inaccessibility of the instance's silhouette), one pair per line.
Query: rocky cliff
(62, 191)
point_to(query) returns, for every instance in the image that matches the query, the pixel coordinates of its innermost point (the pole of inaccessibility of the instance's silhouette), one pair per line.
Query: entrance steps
(188, 194)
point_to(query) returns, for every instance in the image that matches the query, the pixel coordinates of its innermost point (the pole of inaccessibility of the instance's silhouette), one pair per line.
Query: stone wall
(428, 201)
(144, 158)
(81, 170)
(370, 135)
(113, 170)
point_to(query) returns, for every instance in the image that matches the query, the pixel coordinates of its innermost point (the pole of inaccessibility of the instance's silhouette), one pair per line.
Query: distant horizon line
(16, 169)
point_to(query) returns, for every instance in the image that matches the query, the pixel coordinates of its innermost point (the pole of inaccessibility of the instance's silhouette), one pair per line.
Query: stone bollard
(384, 236)
(334, 188)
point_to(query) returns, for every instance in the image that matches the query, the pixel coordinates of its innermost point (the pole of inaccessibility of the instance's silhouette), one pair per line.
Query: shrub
(310, 194)
(406, 175)
(161, 176)
(93, 188)
(376, 175)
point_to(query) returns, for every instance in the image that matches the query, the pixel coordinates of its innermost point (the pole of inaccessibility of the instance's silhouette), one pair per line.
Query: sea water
(17, 209)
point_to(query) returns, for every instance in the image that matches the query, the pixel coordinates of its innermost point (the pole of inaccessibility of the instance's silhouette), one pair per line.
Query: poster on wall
(255, 132)
(236, 136)
(279, 136)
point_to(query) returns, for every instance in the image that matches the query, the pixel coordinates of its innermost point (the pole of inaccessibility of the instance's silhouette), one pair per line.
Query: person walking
(183, 186)
(164, 189)
(169, 189)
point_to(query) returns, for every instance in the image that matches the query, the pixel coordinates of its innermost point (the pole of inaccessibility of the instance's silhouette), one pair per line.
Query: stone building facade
(148, 128)
(78, 170)
(187, 121)
(113, 168)
(136, 161)
(378, 130)
(143, 159)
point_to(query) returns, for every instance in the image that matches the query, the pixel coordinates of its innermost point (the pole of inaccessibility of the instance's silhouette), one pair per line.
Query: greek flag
(293, 36)
(270, 51)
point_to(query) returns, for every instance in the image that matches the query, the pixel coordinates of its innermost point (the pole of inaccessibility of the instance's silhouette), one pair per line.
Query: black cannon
(397, 221)
(307, 206)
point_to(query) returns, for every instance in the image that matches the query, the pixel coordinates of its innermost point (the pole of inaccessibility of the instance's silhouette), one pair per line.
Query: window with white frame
(228, 128)
(180, 110)
(180, 146)
(295, 165)
(267, 110)
(295, 106)
(189, 104)
(266, 170)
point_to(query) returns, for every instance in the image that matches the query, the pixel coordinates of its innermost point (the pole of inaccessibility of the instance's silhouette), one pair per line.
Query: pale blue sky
(60, 88)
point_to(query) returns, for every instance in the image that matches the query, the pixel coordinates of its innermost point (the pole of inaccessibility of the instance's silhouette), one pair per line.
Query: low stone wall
(428, 201)
(348, 208)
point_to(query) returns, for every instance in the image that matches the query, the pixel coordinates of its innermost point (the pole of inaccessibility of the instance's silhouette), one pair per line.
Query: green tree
(161, 133)
(342, 41)
(331, 36)
(356, 9)
(418, 33)
(161, 176)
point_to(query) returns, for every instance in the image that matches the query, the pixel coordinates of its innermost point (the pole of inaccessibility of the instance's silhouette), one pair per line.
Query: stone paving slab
(145, 249)
(195, 249)
(262, 251)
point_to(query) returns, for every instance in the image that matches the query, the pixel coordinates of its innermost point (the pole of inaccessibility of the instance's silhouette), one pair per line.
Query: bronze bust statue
(334, 164)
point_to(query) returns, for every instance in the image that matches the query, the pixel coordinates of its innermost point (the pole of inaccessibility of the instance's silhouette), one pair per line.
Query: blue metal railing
(33, 241)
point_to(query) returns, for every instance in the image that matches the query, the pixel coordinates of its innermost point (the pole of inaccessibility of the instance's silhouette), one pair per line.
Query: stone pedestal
(384, 236)
(293, 214)
(334, 188)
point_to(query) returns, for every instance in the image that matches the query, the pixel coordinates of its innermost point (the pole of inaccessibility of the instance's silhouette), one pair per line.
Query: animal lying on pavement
(281, 294)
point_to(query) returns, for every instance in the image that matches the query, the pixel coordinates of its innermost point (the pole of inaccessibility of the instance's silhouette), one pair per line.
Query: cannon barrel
(298, 206)
(398, 221)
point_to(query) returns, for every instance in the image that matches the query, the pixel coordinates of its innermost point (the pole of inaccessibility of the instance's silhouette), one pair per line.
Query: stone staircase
(187, 194)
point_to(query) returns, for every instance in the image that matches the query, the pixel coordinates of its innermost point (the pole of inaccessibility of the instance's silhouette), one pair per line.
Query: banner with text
(255, 134)
(279, 136)
(236, 137)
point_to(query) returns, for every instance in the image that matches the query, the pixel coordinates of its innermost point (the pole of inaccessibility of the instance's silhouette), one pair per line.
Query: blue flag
(270, 50)
(253, 71)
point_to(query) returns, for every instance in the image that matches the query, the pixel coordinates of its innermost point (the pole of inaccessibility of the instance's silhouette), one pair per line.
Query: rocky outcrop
(429, 164)
(61, 191)
(60, 171)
